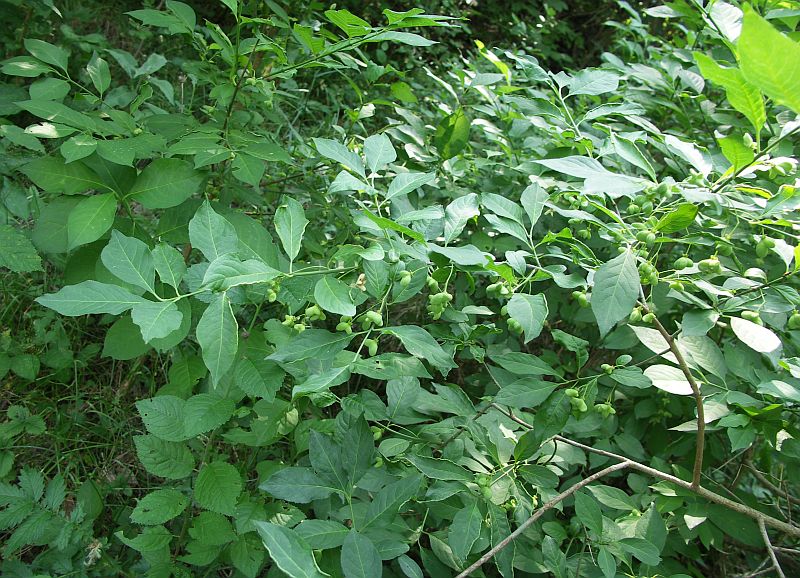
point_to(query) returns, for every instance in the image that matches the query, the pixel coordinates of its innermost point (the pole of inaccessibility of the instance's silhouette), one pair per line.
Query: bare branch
(770, 550)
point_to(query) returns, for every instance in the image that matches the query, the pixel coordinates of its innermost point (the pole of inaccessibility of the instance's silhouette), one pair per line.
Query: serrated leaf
(18, 253)
(158, 507)
(156, 319)
(217, 487)
(170, 460)
(289, 551)
(616, 289)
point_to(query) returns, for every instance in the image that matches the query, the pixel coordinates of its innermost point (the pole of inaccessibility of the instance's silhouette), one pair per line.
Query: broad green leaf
(742, 95)
(360, 558)
(290, 224)
(525, 393)
(593, 82)
(326, 459)
(316, 343)
(18, 254)
(47, 52)
(612, 497)
(440, 469)
(298, 485)
(322, 534)
(248, 169)
(533, 200)
(457, 215)
(351, 24)
(409, 567)
(98, 71)
(169, 264)
(405, 183)
(289, 551)
(164, 417)
(737, 152)
(321, 382)
(358, 448)
(420, 343)
(770, 60)
(226, 271)
(77, 147)
(669, 379)
(589, 513)
(465, 530)
(607, 562)
(217, 488)
(170, 460)
(90, 219)
(523, 363)
(54, 175)
(206, 411)
(166, 183)
(90, 297)
(530, 311)
(385, 223)
(333, 295)
(258, 377)
(212, 234)
(643, 550)
(755, 336)
(452, 134)
(678, 219)
(386, 504)
(156, 319)
(129, 259)
(628, 150)
(616, 289)
(379, 152)
(24, 66)
(159, 507)
(338, 152)
(218, 336)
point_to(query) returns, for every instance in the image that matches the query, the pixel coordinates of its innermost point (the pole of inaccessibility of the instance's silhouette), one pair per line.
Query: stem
(541, 512)
(770, 550)
(698, 399)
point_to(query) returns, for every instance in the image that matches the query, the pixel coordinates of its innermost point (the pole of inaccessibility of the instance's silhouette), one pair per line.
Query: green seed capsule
(794, 321)
(648, 317)
(608, 369)
(683, 263)
(572, 393)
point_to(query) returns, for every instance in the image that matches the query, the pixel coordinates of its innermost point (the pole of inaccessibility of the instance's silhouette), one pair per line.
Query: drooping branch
(540, 512)
(697, 470)
(770, 550)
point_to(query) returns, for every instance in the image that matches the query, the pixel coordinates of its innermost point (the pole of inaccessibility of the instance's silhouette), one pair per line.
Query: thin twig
(539, 513)
(789, 529)
(775, 564)
(770, 486)
(698, 399)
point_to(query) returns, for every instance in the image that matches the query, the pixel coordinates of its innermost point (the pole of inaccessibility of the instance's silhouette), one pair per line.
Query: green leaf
(98, 71)
(78, 147)
(289, 551)
(606, 562)
(226, 272)
(677, 219)
(18, 253)
(170, 460)
(420, 343)
(164, 417)
(360, 558)
(379, 152)
(212, 234)
(322, 534)
(290, 224)
(457, 215)
(248, 169)
(465, 530)
(351, 24)
(24, 66)
(218, 336)
(770, 60)
(385, 223)
(525, 393)
(316, 343)
(589, 513)
(533, 200)
(158, 507)
(358, 448)
(452, 134)
(217, 487)
(90, 219)
(742, 95)
(299, 485)
(165, 183)
(523, 364)
(405, 183)
(643, 550)
(53, 175)
(47, 52)
(169, 264)
(669, 379)
(129, 259)
(334, 296)
(386, 504)
(755, 336)
(156, 319)
(736, 151)
(612, 497)
(258, 377)
(530, 311)
(338, 152)
(90, 297)
(206, 411)
(616, 289)
(440, 469)
(593, 82)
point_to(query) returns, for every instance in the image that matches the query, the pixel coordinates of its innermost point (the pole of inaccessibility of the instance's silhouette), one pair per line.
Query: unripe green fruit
(635, 316)
(288, 320)
(641, 236)
(504, 310)
(572, 393)
(608, 369)
(313, 312)
(794, 321)
(272, 296)
(751, 316)
(682, 263)
(486, 492)
(651, 239)
(647, 207)
(710, 265)
(344, 326)
(677, 286)
(299, 327)
(374, 317)
(432, 284)
(137, 131)
(378, 462)
(483, 480)
(405, 281)
(584, 234)
(662, 189)
(724, 249)
(762, 249)
(633, 208)
(583, 300)
(372, 347)
(648, 317)
(377, 433)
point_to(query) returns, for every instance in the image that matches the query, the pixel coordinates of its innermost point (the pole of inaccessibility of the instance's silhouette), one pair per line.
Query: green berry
(677, 286)
(794, 321)
(648, 317)
(751, 316)
(299, 327)
(682, 263)
(572, 393)
(583, 300)
(608, 369)
(374, 317)
(635, 316)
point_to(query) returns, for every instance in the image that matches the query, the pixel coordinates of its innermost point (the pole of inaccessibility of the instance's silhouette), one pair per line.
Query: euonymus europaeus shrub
(417, 319)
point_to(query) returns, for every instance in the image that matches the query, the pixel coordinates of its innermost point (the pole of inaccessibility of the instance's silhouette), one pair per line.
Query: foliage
(478, 298)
